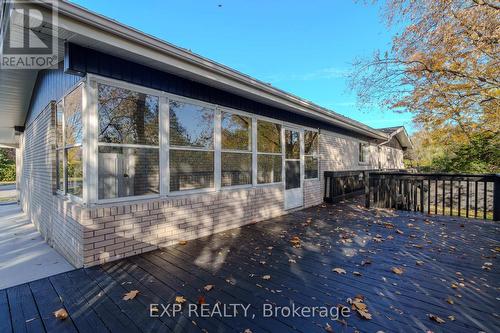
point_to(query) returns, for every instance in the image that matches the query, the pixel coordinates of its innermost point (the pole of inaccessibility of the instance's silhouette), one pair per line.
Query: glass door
(293, 184)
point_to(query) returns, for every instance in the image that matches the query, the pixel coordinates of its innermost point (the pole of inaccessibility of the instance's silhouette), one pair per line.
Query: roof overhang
(88, 29)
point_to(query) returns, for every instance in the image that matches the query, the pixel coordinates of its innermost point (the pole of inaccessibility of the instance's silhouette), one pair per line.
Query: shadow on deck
(449, 270)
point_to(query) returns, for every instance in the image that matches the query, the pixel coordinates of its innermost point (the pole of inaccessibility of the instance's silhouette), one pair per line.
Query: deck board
(344, 235)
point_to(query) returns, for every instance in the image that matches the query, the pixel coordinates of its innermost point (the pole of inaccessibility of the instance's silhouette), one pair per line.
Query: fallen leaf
(397, 270)
(436, 319)
(339, 270)
(357, 273)
(209, 287)
(130, 295)
(452, 318)
(399, 232)
(450, 301)
(201, 300)
(266, 277)
(61, 314)
(328, 328)
(183, 242)
(247, 331)
(365, 315)
(419, 262)
(292, 261)
(179, 299)
(366, 262)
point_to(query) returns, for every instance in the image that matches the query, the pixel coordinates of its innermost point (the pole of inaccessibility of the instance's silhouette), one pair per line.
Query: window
(311, 147)
(269, 155)
(363, 151)
(69, 168)
(236, 149)
(191, 153)
(128, 153)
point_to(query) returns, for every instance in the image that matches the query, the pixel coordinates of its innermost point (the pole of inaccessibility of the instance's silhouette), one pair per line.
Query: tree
(444, 67)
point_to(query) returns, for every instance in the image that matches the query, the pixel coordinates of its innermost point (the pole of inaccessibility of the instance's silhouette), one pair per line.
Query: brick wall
(55, 217)
(117, 231)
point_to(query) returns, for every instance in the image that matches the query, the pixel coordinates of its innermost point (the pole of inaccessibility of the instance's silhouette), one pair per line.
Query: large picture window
(191, 149)
(69, 130)
(311, 147)
(269, 152)
(128, 161)
(236, 149)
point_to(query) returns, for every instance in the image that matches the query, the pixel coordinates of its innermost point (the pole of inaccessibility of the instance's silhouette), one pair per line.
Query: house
(130, 143)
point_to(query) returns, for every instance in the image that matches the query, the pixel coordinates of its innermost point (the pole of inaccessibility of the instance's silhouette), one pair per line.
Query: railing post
(496, 198)
(367, 189)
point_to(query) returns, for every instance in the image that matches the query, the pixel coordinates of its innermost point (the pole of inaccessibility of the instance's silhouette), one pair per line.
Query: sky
(302, 47)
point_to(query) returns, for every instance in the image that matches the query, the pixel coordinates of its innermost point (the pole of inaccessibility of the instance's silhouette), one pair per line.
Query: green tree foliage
(7, 164)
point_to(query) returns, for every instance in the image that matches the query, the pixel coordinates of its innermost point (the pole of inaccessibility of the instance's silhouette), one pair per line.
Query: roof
(400, 133)
(93, 30)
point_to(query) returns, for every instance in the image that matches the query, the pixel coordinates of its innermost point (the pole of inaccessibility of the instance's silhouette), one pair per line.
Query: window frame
(363, 152)
(281, 154)
(224, 150)
(61, 150)
(95, 105)
(311, 155)
(91, 144)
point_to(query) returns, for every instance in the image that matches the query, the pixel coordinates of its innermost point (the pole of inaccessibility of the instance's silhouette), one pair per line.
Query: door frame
(300, 130)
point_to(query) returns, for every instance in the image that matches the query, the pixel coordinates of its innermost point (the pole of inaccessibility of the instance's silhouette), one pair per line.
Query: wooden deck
(451, 253)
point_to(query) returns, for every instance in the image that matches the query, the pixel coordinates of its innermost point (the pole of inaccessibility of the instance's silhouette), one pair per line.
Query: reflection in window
(363, 147)
(191, 169)
(311, 147)
(60, 170)
(268, 137)
(191, 125)
(74, 171)
(310, 142)
(269, 156)
(310, 167)
(292, 144)
(127, 117)
(269, 168)
(236, 169)
(128, 171)
(73, 117)
(236, 132)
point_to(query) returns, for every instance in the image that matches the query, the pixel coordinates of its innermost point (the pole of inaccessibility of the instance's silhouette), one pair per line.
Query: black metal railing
(340, 185)
(464, 195)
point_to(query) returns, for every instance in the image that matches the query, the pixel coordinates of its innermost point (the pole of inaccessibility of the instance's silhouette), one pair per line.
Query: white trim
(127, 145)
(217, 146)
(254, 151)
(164, 128)
(129, 198)
(99, 79)
(311, 155)
(93, 153)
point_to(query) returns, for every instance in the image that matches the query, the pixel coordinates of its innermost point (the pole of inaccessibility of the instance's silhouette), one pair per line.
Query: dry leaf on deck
(339, 270)
(179, 299)
(130, 295)
(183, 242)
(419, 262)
(266, 277)
(61, 314)
(209, 287)
(436, 319)
(328, 328)
(397, 270)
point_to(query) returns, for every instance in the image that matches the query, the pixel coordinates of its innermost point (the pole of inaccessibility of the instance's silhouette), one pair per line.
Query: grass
(8, 199)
